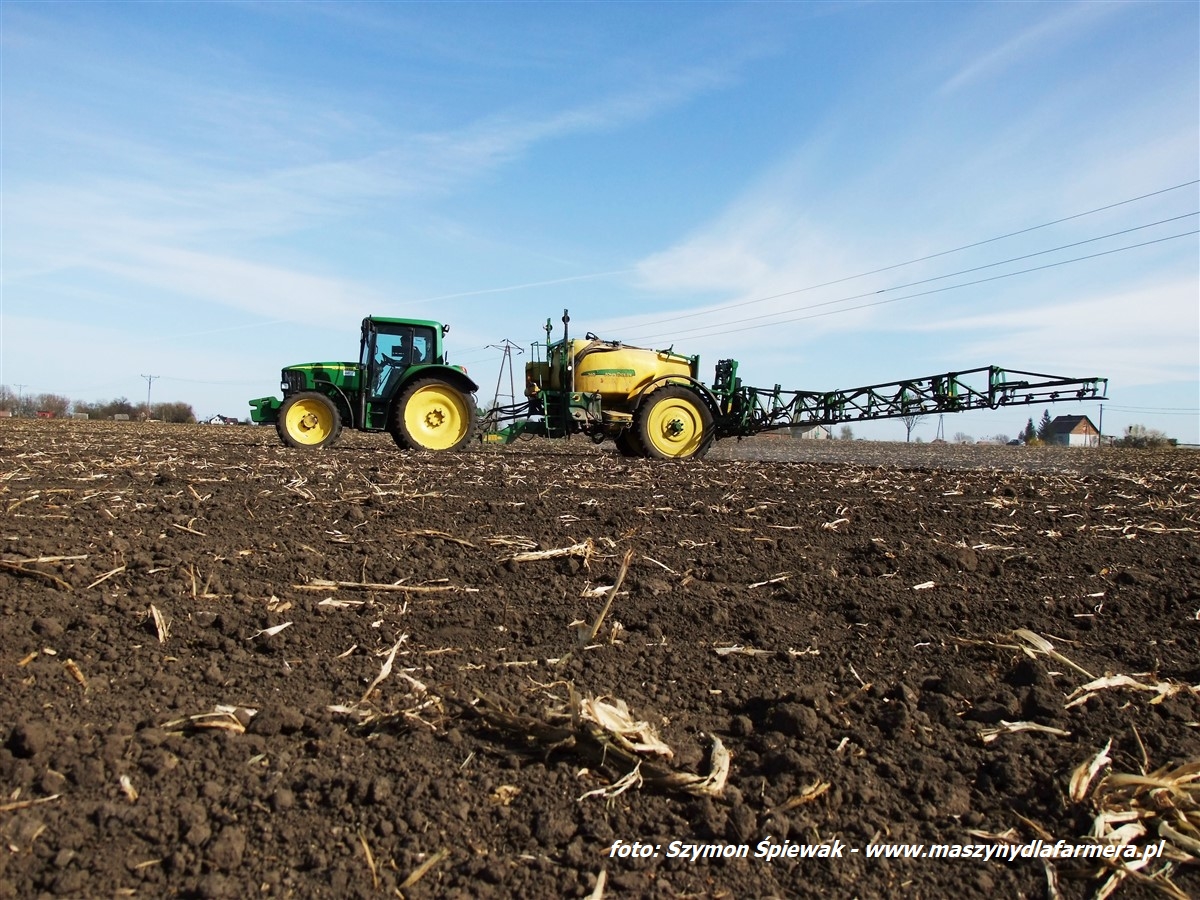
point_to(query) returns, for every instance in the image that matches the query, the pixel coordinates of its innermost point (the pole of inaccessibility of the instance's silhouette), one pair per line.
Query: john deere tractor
(400, 384)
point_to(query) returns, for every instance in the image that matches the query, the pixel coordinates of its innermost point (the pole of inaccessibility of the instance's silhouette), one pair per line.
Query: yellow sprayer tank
(615, 371)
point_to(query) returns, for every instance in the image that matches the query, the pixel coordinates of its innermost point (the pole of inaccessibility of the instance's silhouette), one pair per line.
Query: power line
(219, 383)
(898, 287)
(709, 329)
(1171, 410)
(719, 329)
(910, 262)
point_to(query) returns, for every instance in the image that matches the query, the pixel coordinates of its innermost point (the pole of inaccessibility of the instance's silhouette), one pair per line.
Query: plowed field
(236, 670)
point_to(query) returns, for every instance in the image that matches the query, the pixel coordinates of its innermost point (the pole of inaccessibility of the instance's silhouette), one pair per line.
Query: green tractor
(401, 384)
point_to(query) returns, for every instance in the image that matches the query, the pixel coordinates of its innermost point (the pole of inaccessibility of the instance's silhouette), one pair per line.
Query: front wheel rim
(309, 422)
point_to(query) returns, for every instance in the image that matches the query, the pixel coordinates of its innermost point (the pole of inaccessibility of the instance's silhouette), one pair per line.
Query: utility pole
(508, 347)
(20, 397)
(149, 381)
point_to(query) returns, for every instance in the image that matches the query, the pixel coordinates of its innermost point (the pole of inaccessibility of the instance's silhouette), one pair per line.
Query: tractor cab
(389, 350)
(388, 344)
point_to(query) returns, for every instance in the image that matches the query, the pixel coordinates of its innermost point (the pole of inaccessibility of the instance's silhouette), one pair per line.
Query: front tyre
(308, 421)
(673, 422)
(432, 414)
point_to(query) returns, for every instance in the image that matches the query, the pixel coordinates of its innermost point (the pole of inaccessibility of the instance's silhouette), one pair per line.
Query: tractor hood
(306, 376)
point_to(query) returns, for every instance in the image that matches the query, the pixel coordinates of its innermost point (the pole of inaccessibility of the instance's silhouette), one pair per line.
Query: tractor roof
(385, 320)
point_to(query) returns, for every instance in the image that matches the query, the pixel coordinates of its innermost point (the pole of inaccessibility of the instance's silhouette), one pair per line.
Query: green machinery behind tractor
(650, 403)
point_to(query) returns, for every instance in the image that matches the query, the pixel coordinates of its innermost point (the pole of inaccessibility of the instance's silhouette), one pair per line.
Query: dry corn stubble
(222, 531)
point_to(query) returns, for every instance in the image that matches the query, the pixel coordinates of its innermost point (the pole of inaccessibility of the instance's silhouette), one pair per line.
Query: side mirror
(445, 330)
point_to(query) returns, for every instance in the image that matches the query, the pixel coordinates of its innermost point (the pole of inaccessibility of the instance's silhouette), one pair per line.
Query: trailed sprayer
(650, 403)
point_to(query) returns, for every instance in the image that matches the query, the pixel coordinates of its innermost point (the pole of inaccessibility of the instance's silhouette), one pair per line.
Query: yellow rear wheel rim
(309, 422)
(675, 427)
(436, 417)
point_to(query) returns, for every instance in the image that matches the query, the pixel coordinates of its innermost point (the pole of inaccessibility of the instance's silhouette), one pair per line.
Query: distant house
(1074, 431)
(811, 432)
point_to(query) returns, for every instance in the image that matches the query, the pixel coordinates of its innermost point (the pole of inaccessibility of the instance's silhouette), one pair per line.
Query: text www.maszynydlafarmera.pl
(769, 850)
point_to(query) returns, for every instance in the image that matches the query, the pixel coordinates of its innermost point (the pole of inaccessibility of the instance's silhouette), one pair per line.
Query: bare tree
(962, 438)
(54, 404)
(910, 422)
(1142, 437)
(846, 433)
(177, 412)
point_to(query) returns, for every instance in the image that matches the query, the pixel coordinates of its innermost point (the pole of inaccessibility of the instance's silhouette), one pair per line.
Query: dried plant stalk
(584, 549)
(1162, 689)
(21, 570)
(1035, 643)
(603, 749)
(614, 717)
(806, 796)
(76, 673)
(990, 734)
(107, 575)
(362, 839)
(1082, 777)
(385, 670)
(160, 624)
(420, 871)
(25, 804)
(320, 584)
(587, 635)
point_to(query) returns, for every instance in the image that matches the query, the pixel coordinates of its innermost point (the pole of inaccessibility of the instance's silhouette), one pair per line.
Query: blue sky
(209, 191)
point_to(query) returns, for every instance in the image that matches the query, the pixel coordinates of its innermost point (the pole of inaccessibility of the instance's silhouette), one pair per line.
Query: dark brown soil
(452, 779)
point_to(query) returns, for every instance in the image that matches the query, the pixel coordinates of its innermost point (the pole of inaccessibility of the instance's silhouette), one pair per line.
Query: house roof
(1069, 424)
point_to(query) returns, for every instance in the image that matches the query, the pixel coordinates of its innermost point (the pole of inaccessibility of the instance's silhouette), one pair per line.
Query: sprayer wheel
(674, 422)
(628, 444)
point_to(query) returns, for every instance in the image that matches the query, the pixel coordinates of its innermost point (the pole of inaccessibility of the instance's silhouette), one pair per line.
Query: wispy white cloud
(442, 160)
(1143, 336)
(767, 242)
(251, 287)
(1064, 26)
(195, 223)
(241, 186)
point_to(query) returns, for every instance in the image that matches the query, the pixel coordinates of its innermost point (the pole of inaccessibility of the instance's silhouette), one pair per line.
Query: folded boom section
(749, 410)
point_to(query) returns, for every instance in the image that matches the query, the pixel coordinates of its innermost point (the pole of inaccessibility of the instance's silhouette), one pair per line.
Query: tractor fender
(452, 375)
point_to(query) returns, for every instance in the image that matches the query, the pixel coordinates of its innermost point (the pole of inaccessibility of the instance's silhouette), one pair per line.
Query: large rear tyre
(432, 414)
(628, 445)
(673, 422)
(308, 421)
